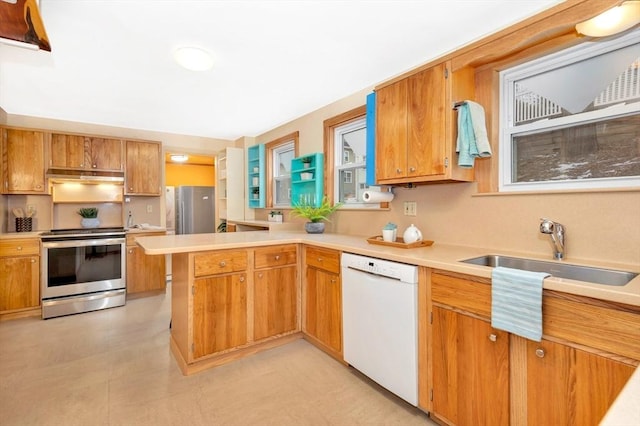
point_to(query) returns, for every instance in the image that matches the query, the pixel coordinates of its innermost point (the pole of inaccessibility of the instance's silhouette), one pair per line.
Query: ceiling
(111, 61)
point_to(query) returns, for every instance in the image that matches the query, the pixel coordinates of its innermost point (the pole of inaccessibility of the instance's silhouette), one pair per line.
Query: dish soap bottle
(130, 220)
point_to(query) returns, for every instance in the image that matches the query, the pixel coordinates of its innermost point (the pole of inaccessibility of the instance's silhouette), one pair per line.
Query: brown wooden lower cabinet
(484, 376)
(323, 299)
(568, 386)
(470, 370)
(324, 308)
(219, 313)
(275, 302)
(144, 273)
(19, 275)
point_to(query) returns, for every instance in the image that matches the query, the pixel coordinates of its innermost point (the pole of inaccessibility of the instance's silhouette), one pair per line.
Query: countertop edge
(437, 256)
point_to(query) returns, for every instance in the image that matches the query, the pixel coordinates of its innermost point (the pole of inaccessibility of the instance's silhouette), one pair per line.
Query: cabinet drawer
(269, 257)
(220, 262)
(593, 323)
(321, 258)
(467, 295)
(19, 247)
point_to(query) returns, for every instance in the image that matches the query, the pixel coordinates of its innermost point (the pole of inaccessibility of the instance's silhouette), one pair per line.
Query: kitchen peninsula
(216, 296)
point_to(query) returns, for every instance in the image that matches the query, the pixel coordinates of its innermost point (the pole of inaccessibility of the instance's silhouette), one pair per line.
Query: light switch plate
(149, 208)
(410, 208)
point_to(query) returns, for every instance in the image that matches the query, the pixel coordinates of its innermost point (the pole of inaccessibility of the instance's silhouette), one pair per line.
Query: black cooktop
(82, 231)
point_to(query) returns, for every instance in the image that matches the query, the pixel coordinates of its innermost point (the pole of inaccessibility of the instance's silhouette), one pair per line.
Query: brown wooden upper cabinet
(143, 168)
(23, 162)
(85, 153)
(416, 127)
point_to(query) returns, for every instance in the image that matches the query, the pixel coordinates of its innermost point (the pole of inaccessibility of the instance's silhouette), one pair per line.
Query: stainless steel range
(82, 270)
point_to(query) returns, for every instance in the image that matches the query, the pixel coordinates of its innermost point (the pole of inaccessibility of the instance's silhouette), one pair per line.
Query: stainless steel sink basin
(557, 269)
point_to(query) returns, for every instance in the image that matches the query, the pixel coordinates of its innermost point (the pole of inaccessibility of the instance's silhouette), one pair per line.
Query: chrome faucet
(556, 231)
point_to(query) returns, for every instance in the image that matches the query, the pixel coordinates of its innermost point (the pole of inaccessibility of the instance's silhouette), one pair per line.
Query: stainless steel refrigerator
(195, 209)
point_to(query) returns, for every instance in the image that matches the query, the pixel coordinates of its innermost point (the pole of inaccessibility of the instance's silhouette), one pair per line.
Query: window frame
(330, 169)
(507, 80)
(271, 150)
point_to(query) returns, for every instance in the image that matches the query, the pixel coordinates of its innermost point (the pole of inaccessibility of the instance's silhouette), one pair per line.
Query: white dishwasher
(379, 322)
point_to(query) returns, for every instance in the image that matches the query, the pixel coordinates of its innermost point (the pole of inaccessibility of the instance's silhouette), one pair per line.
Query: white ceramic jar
(412, 234)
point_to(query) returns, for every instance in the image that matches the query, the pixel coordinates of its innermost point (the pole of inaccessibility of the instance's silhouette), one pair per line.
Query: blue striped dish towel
(516, 301)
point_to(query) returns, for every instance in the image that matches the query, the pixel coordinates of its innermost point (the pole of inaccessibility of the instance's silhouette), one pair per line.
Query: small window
(572, 119)
(345, 150)
(279, 155)
(351, 153)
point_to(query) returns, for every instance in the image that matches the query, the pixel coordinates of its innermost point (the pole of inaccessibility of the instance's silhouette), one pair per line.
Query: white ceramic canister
(412, 234)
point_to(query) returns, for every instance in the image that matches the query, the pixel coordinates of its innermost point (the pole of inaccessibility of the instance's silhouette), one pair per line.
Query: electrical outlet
(410, 208)
(149, 208)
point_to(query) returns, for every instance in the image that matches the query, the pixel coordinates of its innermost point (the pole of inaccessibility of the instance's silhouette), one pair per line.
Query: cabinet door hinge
(193, 348)
(193, 290)
(431, 317)
(431, 395)
(446, 161)
(446, 73)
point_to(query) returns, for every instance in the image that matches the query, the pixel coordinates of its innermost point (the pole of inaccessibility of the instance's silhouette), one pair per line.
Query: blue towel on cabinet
(472, 139)
(516, 301)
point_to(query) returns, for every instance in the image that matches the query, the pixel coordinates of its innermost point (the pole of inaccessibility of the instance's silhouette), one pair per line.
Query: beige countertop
(440, 256)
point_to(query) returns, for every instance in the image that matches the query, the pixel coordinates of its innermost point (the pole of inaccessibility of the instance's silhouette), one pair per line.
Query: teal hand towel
(476, 112)
(516, 301)
(465, 144)
(472, 141)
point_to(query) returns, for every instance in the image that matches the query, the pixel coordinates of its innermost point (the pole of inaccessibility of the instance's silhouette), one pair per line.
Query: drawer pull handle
(130, 251)
(260, 275)
(19, 248)
(319, 259)
(398, 171)
(412, 169)
(33, 261)
(242, 279)
(493, 337)
(540, 353)
(277, 257)
(223, 264)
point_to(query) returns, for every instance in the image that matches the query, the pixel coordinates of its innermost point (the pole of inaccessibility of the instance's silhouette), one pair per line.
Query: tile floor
(114, 367)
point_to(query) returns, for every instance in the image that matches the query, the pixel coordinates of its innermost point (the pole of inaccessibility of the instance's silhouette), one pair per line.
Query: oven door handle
(82, 243)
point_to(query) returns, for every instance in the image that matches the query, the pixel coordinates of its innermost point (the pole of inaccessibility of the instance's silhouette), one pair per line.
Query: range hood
(84, 176)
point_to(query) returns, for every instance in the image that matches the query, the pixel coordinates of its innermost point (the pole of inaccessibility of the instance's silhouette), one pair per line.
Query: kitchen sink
(557, 269)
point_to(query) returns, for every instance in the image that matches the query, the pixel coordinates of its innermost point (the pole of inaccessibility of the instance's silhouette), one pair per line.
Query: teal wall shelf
(256, 174)
(307, 179)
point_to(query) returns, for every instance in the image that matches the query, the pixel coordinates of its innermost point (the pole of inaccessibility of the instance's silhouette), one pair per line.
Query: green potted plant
(306, 162)
(315, 214)
(89, 217)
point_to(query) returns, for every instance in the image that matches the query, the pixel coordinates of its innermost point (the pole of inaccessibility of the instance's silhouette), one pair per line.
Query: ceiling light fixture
(193, 58)
(612, 21)
(179, 158)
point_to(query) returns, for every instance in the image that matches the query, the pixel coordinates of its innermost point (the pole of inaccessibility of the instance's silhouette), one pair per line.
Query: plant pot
(306, 176)
(306, 165)
(90, 222)
(314, 227)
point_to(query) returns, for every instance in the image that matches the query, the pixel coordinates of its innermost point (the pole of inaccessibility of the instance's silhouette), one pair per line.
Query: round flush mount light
(193, 58)
(179, 158)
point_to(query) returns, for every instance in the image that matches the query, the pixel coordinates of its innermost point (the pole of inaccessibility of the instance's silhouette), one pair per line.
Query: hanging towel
(472, 139)
(516, 301)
